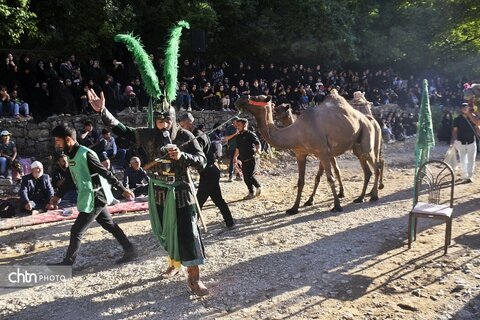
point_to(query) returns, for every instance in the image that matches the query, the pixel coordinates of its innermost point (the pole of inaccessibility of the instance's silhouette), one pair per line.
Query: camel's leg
(337, 175)
(382, 167)
(317, 181)
(331, 181)
(321, 169)
(301, 162)
(367, 173)
(376, 167)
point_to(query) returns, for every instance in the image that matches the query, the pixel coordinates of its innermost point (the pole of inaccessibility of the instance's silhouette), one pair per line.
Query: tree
(16, 20)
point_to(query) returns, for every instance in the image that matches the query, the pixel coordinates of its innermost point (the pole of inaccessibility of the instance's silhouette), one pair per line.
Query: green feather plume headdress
(170, 70)
(148, 72)
(146, 68)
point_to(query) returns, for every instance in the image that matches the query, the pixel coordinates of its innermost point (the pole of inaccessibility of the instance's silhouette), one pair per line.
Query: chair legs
(412, 231)
(448, 234)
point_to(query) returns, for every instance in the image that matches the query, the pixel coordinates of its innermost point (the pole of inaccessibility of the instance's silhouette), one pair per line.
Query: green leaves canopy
(398, 33)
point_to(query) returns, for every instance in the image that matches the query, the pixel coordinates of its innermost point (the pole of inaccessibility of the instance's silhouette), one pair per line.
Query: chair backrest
(435, 183)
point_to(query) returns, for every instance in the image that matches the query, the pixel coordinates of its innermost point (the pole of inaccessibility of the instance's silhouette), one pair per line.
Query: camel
(326, 131)
(283, 114)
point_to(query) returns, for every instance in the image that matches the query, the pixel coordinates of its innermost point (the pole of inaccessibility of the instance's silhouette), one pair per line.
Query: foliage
(441, 35)
(16, 20)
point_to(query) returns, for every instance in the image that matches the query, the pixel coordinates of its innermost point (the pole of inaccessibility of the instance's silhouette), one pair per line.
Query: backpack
(7, 209)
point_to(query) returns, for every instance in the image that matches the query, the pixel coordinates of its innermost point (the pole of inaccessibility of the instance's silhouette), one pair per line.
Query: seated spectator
(36, 190)
(89, 137)
(223, 98)
(6, 106)
(8, 157)
(387, 133)
(184, 98)
(216, 137)
(206, 99)
(110, 149)
(117, 193)
(135, 178)
(58, 179)
(19, 106)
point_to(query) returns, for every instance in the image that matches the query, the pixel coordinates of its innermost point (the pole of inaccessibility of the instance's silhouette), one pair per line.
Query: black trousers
(249, 168)
(81, 225)
(209, 186)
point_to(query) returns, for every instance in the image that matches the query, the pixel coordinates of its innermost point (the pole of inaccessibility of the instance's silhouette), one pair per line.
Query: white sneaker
(189, 109)
(181, 109)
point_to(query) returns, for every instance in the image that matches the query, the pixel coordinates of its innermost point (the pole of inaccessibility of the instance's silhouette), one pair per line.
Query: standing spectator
(186, 73)
(11, 70)
(140, 92)
(63, 101)
(248, 148)
(463, 138)
(130, 101)
(36, 190)
(445, 131)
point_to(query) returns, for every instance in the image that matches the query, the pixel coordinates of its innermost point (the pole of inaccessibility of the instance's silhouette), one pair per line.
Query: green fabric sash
(166, 235)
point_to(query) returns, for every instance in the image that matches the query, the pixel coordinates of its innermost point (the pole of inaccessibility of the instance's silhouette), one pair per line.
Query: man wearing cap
(209, 185)
(170, 151)
(93, 183)
(248, 148)
(8, 155)
(36, 190)
(463, 138)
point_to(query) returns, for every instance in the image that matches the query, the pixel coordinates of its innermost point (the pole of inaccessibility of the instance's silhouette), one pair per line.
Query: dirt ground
(314, 265)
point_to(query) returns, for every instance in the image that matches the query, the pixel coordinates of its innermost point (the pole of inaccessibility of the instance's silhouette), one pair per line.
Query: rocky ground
(314, 265)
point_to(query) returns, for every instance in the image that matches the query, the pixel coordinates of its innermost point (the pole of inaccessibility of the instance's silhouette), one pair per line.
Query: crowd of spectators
(58, 86)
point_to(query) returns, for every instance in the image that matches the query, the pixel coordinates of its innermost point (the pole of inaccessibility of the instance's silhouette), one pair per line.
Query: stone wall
(34, 140)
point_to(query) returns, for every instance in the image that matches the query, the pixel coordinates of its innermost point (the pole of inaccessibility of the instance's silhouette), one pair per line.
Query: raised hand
(97, 103)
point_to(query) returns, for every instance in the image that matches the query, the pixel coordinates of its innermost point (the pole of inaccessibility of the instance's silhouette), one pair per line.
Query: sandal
(194, 283)
(198, 288)
(170, 273)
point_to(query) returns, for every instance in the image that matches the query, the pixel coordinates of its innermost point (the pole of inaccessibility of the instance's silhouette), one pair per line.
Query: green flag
(425, 137)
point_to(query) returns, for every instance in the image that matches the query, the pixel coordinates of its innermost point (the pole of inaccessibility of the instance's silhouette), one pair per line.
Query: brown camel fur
(326, 131)
(284, 115)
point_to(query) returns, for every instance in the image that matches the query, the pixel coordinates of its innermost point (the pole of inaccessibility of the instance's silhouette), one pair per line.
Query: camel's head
(472, 91)
(248, 102)
(282, 112)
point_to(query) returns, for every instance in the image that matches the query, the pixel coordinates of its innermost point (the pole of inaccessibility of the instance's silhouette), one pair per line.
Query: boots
(194, 283)
(129, 255)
